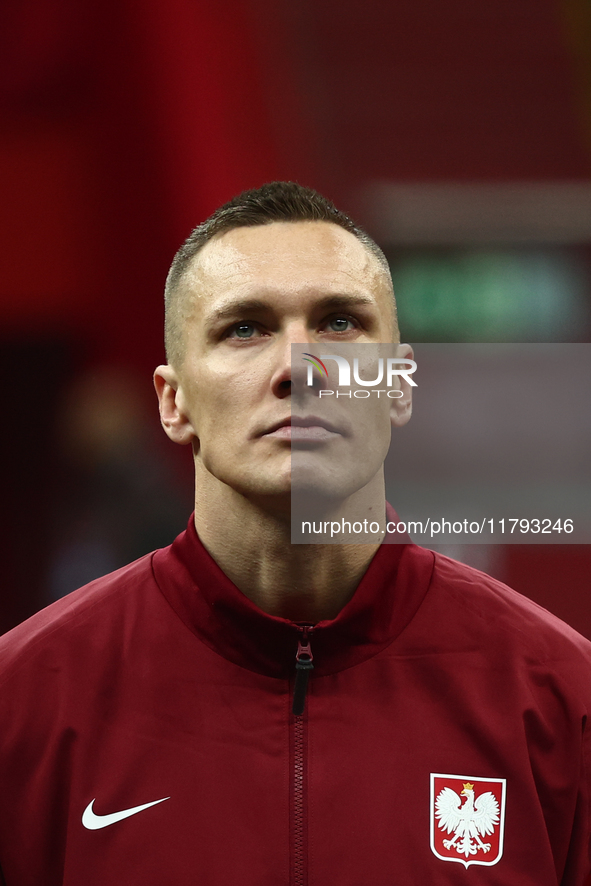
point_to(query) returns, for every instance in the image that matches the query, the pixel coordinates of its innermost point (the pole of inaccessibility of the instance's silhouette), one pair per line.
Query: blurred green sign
(491, 295)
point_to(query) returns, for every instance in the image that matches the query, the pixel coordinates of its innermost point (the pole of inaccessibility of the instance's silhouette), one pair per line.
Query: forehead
(285, 257)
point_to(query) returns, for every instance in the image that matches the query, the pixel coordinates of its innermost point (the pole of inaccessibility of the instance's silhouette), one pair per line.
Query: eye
(340, 324)
(243, 331)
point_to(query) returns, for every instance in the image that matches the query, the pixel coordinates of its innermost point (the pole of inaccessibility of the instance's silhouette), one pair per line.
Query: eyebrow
(241, 306)
(257, 305)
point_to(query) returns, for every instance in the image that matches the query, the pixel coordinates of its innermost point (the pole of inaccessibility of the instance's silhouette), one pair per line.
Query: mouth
(303, 429)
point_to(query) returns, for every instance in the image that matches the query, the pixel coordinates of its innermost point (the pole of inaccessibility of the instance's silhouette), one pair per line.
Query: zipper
(299, 822)
(304, 665)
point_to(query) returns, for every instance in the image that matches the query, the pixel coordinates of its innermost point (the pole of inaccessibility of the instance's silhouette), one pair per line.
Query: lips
(309, 421)
(303, 428)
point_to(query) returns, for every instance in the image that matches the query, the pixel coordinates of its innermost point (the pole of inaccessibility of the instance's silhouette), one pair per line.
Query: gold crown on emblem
(468, 786)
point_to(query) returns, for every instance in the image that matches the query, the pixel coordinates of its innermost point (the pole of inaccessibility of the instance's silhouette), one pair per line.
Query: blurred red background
(124, 124)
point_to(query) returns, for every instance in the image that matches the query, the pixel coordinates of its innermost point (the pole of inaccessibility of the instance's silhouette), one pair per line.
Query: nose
(290, 370)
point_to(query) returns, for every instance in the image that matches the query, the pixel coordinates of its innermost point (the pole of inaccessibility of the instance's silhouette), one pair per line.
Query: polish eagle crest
(469, 821)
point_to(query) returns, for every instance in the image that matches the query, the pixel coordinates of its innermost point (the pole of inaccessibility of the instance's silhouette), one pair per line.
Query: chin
(267, 485)
(328, 481)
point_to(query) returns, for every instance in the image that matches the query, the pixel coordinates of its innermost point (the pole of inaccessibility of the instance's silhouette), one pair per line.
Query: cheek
(371, 420)
(225, 390)
(222, 407)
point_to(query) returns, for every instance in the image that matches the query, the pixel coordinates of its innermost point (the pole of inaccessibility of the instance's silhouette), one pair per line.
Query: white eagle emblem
(470, 820)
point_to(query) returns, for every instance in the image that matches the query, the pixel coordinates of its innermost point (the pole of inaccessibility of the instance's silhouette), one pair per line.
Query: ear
(173, 411)
(401, 408)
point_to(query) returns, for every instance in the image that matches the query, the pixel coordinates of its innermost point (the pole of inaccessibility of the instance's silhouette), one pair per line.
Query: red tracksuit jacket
(147, 734)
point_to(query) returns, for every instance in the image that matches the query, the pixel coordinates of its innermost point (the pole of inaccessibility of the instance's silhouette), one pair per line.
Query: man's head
(239, 296)
(276, 202)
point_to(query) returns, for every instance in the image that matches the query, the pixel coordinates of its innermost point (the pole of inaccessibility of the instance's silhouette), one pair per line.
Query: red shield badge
(467, 818)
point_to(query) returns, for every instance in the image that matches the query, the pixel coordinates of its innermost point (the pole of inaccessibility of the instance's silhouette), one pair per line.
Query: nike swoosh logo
(95, 822)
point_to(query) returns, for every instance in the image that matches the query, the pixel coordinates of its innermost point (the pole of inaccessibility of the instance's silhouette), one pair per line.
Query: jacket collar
(214, 609)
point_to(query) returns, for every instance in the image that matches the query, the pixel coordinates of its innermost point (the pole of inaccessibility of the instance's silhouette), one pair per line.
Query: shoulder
(82, 620)
(496, 615)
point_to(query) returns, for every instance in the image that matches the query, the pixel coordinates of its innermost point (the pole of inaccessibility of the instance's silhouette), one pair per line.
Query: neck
(251, 542)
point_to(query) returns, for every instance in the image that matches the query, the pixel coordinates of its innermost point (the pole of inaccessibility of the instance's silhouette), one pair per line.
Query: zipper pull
(304, 665)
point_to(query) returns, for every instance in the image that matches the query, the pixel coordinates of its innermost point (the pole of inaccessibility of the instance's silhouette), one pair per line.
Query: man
(154, 730)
